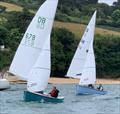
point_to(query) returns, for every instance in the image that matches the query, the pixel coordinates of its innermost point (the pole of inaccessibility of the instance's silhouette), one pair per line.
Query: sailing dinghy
(32, 60)
(83, 63)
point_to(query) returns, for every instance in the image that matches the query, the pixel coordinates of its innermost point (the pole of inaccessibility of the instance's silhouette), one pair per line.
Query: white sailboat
(32, 59)
(4, 84)
(34, 39)
(83, 63)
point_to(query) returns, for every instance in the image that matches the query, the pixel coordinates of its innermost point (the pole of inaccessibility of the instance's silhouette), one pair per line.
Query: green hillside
(69, 25)
(76, 28)
(11, 7)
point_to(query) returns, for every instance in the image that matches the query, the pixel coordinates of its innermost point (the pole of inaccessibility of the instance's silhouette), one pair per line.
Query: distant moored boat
(4, 84)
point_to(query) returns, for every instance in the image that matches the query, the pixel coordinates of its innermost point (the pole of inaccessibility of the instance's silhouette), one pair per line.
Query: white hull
(4, 84)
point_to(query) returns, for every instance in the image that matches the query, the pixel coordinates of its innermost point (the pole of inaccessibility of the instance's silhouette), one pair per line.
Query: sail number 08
(41, 22)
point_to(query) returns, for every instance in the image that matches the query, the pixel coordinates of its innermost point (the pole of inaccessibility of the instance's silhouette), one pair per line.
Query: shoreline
(76, 81)
(55, 80)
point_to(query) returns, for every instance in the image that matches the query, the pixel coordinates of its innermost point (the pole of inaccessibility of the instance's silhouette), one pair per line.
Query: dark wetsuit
(100, 88)
(90, 86)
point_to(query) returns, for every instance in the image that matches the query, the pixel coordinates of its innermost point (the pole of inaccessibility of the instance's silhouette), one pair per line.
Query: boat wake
(106, 98)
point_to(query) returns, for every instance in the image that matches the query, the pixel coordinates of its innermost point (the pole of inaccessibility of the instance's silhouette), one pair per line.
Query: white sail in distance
(78, 61)
(34, 39)
(88, 75)
(40, 73)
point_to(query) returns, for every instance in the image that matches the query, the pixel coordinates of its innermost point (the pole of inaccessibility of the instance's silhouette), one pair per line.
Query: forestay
(40, 73)
(77, 65)
(33, 40)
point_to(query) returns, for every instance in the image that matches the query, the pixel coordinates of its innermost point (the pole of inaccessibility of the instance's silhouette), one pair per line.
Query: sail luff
(78, 61)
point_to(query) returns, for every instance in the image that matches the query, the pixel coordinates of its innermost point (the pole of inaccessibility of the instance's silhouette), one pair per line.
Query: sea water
(11, 102)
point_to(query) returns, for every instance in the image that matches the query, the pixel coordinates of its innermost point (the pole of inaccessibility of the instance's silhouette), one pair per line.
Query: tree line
(63, 44)
(79, 10)
(63, 47)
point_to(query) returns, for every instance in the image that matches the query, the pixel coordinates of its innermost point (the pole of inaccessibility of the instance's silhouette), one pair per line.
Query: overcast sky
(109, 2)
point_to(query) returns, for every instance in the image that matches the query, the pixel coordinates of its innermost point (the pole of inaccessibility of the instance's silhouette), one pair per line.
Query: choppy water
(11, 102)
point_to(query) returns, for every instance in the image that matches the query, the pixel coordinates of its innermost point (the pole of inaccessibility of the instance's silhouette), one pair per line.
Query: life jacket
(54, 93)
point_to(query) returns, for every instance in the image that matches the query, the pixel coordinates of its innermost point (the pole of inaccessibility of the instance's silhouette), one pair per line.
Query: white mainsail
(34, 39)
(40, 73)
(83, 52)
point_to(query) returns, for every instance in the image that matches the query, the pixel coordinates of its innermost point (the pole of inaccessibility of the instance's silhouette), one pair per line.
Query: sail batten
(41, 68)
(32, 47)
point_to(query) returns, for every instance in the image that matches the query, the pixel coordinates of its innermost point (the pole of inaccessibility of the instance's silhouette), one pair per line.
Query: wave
(106, 98)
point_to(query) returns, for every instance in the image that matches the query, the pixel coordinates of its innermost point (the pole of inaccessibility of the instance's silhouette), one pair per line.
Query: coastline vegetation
(66, 34)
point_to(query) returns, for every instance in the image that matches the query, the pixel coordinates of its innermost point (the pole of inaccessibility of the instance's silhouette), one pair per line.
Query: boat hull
(30, 96)
(4, 84)
(80, 90)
